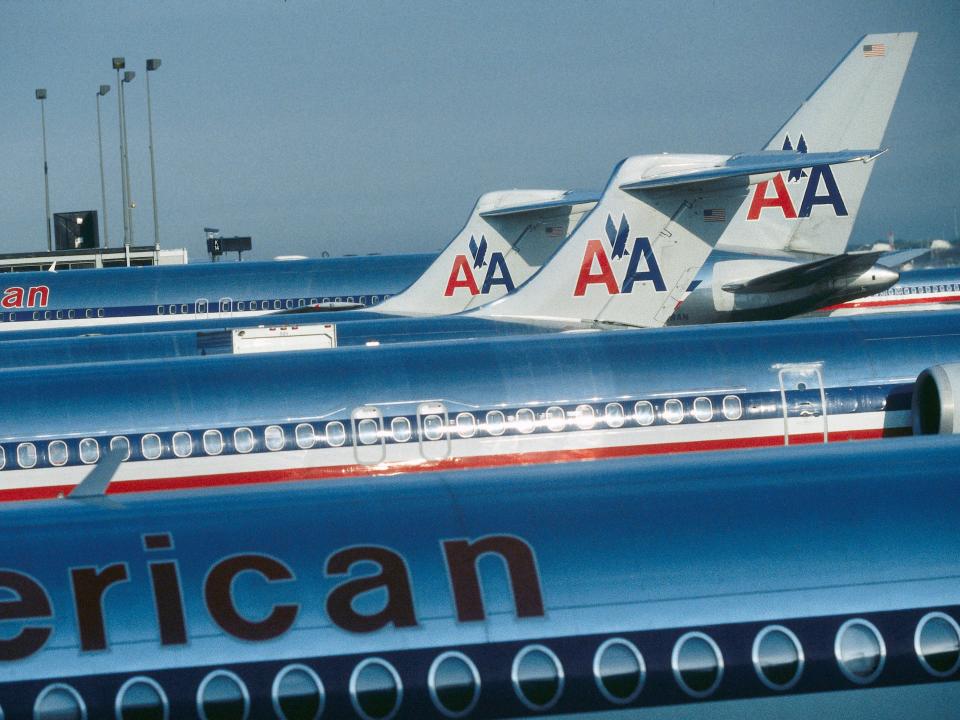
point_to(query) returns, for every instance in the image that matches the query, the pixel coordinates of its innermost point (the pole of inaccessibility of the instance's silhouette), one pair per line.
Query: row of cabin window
(369, 431)
(923, 289)
(251, 305)
(231, 306)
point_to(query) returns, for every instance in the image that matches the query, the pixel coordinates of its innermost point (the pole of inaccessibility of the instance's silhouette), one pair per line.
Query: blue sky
(372, 127)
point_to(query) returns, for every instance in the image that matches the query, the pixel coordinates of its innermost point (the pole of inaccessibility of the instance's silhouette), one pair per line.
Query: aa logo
(464, 273)
(819, 175)
(596, 268)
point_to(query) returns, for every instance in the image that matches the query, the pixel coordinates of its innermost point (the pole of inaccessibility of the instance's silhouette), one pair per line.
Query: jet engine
(936, 396)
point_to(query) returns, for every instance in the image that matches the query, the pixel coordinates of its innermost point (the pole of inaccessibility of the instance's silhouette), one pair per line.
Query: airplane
(926, 289)
(527, 225)
(789, 583)
(398, 408)
(686, 196)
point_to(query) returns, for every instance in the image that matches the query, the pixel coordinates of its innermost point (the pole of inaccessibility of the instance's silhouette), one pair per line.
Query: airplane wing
(572, 197)
(833, 267)
(744, 165)
(901, 257)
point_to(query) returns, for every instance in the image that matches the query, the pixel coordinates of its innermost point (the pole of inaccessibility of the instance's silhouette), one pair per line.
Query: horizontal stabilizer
(835, 266)
(569, 198)
(744, 165)
(901, 257)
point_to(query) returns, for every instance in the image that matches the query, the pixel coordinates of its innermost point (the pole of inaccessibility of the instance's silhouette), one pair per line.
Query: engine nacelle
(935, 401)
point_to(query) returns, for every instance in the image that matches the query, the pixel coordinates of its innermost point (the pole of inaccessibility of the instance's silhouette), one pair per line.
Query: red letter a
(781, 199)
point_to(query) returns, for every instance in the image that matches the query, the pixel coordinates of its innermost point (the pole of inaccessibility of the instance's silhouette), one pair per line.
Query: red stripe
(460, 463)
(898, 301)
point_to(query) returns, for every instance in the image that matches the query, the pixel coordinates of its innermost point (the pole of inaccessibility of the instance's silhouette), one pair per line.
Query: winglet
(97, 481)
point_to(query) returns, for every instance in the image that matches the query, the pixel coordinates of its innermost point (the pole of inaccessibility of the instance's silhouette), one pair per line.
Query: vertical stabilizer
(509, 235)
(631, 258)
(813, 209)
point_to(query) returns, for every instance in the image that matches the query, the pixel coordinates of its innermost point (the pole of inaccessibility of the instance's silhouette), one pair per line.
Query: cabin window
(937, 642)
(697, 664)
(860, 651)
(401, 429)
(71, 314)
(673, 411)
(159, 309)
(289, 304)
(88, 312)
(46, 315)
(120, 444)
(526, 420)
(212, 442)
(585, 417)
(57, 453)
(777, 657)
(182, 444)
(184, 309)
(243, 440)
(241, 305)
(99, 312)
(613, 415)
(36, 314)
(26, 455)
(298, 693)
(374, 299)
(556, 418)
(495, 422)
(89, 451)
(141, 698)
(305, 436)
(336, 434)
(3, 458)
(643, 413)
(537, 677)
(151, 447)
(314, 301)
(375, 689)
(466, 425)
(59, 701)
(703, 409)
(265, 305)
(619, 671)
(368, 431)
(222, 695)
(59, 314)
(273, 437)
(732, 407)
(454, 684)
(277, 305)
(173, 309)
(433, 427)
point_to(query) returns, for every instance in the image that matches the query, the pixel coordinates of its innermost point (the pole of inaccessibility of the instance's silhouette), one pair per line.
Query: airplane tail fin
(631, 259)
(813, 209)
(508, 236)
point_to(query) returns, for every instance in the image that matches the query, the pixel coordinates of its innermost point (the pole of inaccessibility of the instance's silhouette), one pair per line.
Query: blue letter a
(641, 248)
(497, 261)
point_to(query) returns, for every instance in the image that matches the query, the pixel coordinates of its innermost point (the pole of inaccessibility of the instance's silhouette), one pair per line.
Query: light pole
(128, 76)
(41, 95)
(119, 64)
(104, 89)
(153, 64)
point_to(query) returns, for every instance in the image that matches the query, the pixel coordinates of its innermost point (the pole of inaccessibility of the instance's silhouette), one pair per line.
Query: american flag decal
(715, 215)
(555, 231)
(876, 50)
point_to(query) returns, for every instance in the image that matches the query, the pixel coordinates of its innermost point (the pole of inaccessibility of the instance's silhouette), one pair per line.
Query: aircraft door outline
(434, 430)
(803, 401)
(369, 446)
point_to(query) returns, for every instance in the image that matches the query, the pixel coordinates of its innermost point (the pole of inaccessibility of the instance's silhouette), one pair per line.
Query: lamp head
(119, 63)
(128, 75)
(153, 63)
(104, 89)
(41, 93)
